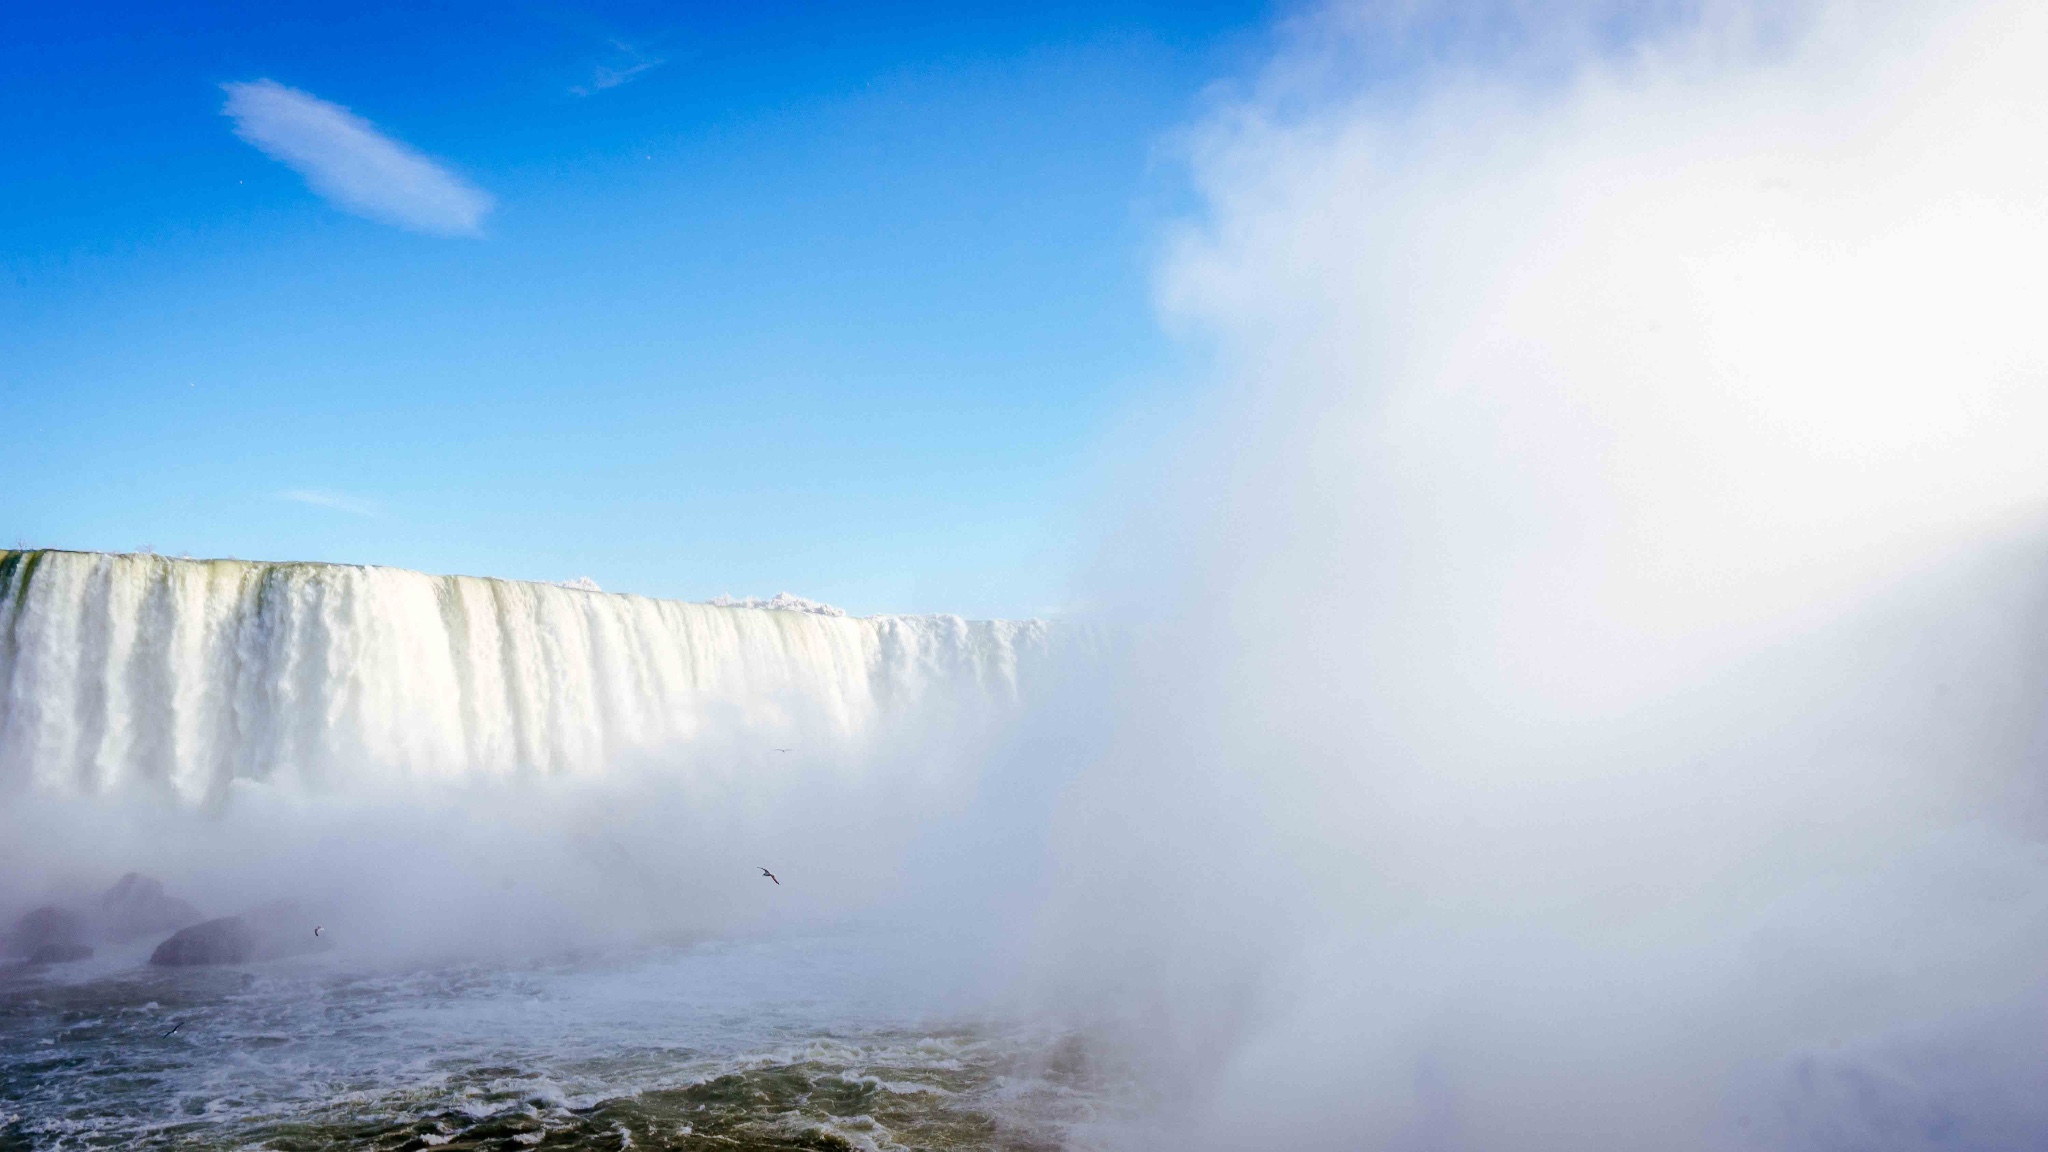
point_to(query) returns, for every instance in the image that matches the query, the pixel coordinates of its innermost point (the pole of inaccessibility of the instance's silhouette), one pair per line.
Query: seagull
(173, 1028)
(316, 929)
(782, 749)
(771, 876)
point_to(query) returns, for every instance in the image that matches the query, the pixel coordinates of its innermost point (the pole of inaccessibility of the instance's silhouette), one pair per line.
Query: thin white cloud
(345, 159)
(606, 76)
(334, 500)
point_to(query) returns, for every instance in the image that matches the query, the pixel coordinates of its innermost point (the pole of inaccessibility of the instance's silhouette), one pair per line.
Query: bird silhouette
(782, 749)
(316, 929)
(173, 1028)
(771, 876)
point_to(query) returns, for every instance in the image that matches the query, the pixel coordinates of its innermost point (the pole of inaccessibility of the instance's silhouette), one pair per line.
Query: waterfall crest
(144, 673)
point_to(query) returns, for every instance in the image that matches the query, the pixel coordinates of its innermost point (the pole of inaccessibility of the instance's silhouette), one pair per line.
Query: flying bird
(316, 929)
(173, 1028)
(771, 876)
(782, 749)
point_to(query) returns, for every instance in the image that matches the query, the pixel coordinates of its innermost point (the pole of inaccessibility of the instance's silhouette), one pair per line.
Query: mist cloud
(345, 159)
(1586, 657)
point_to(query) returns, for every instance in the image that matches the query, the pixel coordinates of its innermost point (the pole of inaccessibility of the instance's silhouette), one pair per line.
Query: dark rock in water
(45, 927)
(271, 932)
(227, 940)
(137, 905)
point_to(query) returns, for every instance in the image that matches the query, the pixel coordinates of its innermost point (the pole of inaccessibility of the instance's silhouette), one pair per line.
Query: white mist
(1592, 695)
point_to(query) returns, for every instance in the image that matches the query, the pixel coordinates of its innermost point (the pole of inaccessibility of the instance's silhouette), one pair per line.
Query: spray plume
(1591, 695)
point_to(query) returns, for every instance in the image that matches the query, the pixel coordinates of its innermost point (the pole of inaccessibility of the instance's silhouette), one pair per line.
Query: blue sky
(841, 300)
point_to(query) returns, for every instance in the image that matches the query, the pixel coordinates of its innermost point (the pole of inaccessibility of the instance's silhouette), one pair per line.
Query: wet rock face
(137, 905)
(271, 932)
(45, 928)
(228, 940)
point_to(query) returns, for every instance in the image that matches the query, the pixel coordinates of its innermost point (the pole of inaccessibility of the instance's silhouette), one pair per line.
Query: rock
(46, 927)
(137, 905)
(228, 940)
(270, 932)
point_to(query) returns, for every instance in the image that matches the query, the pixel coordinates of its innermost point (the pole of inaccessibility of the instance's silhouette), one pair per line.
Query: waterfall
(144, 673)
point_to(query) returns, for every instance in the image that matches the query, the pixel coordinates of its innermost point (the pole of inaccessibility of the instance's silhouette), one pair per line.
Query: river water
(820, 1042)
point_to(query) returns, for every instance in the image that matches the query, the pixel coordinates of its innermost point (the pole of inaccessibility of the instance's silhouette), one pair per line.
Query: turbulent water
(530, 817)
(815, 1043)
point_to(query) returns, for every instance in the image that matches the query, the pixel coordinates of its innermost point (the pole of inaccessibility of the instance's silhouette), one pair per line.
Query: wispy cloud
(609, 76)
(345, 159)
(339, 502)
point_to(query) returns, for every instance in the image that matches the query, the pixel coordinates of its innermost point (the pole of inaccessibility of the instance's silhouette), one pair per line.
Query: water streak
(142, 673)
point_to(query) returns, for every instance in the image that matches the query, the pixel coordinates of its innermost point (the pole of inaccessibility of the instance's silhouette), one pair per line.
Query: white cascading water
(140, 674)
(532, 825)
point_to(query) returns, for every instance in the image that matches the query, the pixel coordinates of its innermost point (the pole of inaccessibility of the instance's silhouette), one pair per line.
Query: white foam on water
(325, 1037)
